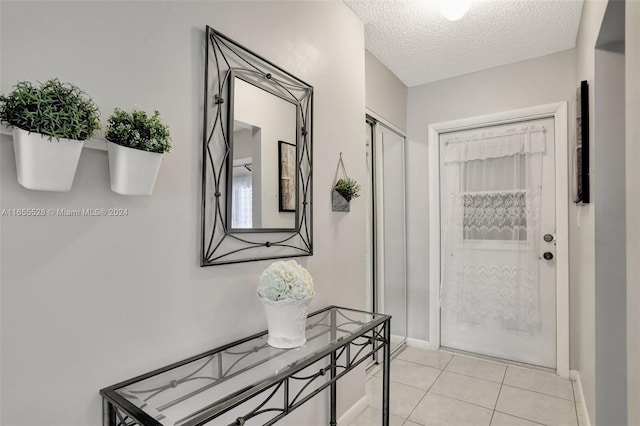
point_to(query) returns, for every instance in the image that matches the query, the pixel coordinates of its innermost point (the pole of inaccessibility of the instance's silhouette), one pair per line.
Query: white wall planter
(43, 164)
(132, 171)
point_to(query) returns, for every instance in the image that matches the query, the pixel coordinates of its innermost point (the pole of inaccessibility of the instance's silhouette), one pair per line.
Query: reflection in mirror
(287, 172)
(256, 158)
(244, 180)
(261, 120)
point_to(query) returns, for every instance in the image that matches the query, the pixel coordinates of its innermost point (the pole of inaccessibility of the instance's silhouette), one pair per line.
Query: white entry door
(498, 279)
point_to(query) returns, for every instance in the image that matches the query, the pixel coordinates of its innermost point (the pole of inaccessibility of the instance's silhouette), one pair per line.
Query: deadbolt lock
(548, 238)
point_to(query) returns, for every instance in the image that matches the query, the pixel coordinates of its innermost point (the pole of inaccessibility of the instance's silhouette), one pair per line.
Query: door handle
(547, 255)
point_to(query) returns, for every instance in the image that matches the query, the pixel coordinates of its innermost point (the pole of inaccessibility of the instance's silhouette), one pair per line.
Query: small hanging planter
(136, 144)
(344, 189)
(132, 171)
(50, 122)
(43, 164)
(338, 202)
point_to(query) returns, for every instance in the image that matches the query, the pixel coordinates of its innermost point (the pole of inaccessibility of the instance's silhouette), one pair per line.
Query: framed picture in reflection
(287, 175)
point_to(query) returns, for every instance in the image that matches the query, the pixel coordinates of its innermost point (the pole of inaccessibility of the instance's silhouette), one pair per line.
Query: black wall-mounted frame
(582, 145)
(219, 243)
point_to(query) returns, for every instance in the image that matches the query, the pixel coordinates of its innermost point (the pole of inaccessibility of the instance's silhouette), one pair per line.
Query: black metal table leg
(334, 390)
(334, 384)
(108, 413)
(386, 369)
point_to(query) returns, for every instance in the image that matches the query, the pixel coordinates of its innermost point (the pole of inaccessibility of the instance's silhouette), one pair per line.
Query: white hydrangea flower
(286, 280)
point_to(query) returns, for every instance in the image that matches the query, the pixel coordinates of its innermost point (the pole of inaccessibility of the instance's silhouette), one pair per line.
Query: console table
(248, 379)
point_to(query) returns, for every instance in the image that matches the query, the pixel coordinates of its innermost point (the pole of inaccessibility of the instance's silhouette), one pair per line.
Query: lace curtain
(490, 191)
(242, 206)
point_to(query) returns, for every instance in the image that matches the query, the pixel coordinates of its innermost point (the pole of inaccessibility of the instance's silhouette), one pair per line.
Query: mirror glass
(262, 173)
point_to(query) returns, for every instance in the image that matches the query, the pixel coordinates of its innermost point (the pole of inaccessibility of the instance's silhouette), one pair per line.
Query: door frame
(557, 111)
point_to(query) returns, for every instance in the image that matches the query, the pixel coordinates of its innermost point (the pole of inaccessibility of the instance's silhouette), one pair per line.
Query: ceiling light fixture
(454, 9)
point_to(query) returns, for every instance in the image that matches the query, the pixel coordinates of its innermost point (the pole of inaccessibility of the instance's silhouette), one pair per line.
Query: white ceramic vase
(43, 164)
(286, 320)
(132, 171)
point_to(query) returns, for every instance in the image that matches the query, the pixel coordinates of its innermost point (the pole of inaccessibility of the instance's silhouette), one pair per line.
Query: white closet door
(391, 230)
(498, 289)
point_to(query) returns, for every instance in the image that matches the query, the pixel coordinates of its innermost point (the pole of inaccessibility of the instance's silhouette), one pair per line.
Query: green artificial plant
(348, 188)
(55, 109)
(137, 130)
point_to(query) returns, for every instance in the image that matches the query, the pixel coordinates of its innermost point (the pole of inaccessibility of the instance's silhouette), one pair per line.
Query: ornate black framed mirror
(257, 158)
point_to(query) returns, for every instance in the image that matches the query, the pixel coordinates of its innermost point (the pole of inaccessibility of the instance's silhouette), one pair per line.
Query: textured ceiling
(419, 45)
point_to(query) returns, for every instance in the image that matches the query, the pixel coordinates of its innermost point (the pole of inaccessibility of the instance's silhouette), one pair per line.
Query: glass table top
(212, 382)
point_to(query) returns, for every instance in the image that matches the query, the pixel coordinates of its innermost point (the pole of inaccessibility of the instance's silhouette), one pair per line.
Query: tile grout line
(502, 384)
(467, 375)
(504, 375)
(490, 381)
(450, 397)
(409, 386)
(496, 360)
(427, 392)
(545, 393)
(527, 419)
(448, 362)
(539, 393)
(519, 417)
(493, 413)
(474, 377)
(461, 400)
(423, 396)
(482, 360)
(424, 365)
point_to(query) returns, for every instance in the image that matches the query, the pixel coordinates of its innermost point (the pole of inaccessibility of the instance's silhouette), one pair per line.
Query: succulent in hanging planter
(136, 145)
(348, 188)
(54, 109)
(39, 114)
(138, 130)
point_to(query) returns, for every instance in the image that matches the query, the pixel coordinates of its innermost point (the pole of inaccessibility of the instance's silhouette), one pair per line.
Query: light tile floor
(443, 389)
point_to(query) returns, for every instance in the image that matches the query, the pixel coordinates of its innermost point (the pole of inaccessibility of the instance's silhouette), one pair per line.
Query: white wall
(529, 83)
(243, 143)
(386, 94)
(610, 243)
(632, 71)
(583, 294)
(89, 301)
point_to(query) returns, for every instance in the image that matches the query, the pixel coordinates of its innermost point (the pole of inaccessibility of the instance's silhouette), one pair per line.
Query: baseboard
(352, 413)
(420, 344)
(574, 375)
